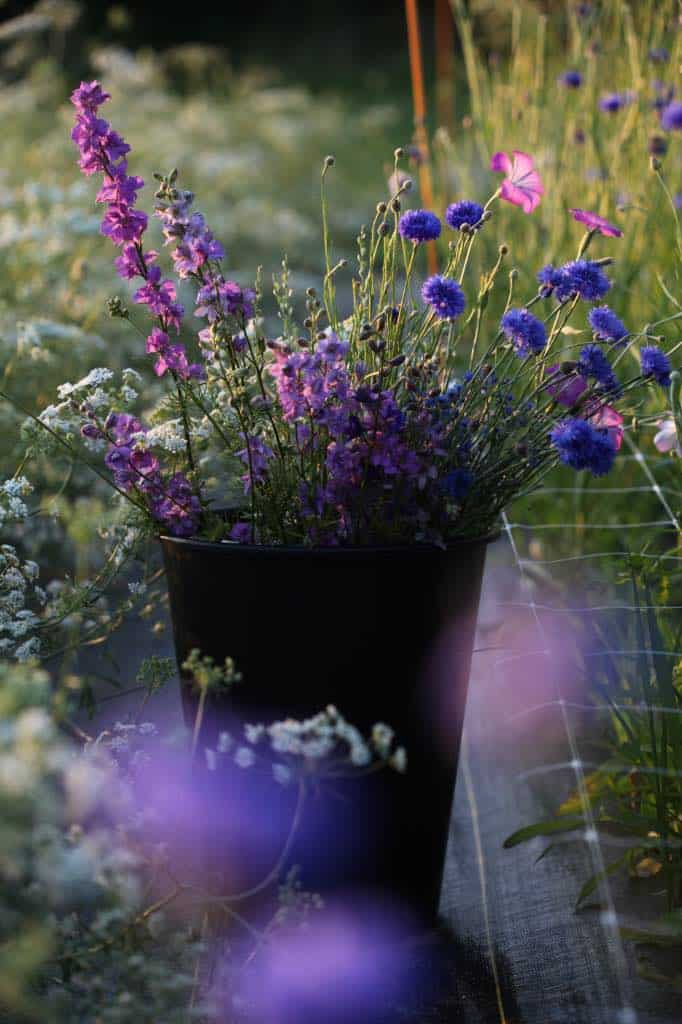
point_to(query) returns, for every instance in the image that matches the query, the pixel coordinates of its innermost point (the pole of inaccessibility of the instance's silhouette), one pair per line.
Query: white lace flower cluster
(127, 743)
(315, 740)
(13, 508)
(18, 591)
(98, 393)
(168, 436)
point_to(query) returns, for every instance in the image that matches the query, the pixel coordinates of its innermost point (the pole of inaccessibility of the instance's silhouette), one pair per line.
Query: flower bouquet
(324, 492)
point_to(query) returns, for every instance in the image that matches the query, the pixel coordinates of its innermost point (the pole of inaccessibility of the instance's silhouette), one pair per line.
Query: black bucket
(384, 634)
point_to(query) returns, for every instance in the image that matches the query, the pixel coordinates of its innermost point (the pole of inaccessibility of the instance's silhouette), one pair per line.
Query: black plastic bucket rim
(303, 551)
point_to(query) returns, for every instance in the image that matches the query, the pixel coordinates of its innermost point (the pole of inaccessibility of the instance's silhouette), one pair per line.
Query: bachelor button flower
(582, 446)
(594, 364)
(445, 297)
(664, 95)
(570, 79)
(596, 223)
(579, 277)
(463, 212)
(607, 326)
(656, 364)
(671, 117)
(525, 331)
(457, 484)
(419, 226)
(522, 185)
(612, 102)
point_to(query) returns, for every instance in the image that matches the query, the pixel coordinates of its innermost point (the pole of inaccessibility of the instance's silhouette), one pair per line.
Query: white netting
(520, 686)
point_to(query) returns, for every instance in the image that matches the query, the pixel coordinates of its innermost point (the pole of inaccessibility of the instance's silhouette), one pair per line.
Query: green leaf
(543, 828)
(592, 883)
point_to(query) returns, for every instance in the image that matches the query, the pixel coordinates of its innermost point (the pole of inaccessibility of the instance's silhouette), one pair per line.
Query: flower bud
(329, 161)
(381, 207)
(399, 153)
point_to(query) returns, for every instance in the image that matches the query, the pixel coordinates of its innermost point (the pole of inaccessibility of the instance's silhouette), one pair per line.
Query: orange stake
(445, 64)
(419, 101)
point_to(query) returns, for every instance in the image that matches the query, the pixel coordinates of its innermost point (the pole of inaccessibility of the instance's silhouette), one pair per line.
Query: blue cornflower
(463, 212)
(584, 278)
(570, 79)
(419, 226)
(612, 102)
(671, 117)
(457, 483)
(582, 446)
(607, 326)
(527, 333)
(656, 364)
(550, 278)
(658, 55)
(445, 297)
(593, 363)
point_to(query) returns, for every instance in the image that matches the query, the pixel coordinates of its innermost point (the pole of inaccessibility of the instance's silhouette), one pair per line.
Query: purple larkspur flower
(119, 187)
(584, 446)
(242, 533)
(124, 224)
(445, 297)
(463, 212)
(525, 331)
(224, 298)
(419, 226)
(131, 264)
(595, 223)
(177, 507)
(255, 455)
(88, 97)
(160, 296)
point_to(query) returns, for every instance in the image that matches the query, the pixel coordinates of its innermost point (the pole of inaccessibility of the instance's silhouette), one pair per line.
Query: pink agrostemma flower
(522, 185)
(609, 419)
(596, 223)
